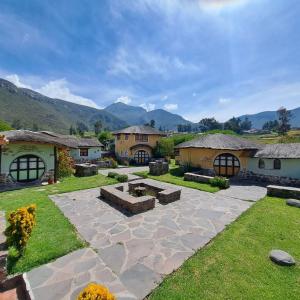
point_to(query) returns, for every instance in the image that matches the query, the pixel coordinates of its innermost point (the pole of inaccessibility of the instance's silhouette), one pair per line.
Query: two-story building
(136, 143)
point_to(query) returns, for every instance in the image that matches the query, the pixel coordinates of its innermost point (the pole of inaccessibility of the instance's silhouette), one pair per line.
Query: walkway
(133, 253)
(126, 171)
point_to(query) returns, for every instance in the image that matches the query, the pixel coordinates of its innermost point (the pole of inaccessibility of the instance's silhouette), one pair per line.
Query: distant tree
(209, 124)
(179, 128)
(152, 123)
(81, 128)
(16, 124)
(160, 128)
(271, 125)
(233, 124)
(246, 124)
(4, 126)
(97, 127)
(284, 117)
(35, 127)
(72, 130)
(164, 148)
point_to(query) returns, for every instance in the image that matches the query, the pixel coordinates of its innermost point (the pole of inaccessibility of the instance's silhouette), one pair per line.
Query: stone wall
(283, 192)
(197, 177)
(269, 178)
(158, 167)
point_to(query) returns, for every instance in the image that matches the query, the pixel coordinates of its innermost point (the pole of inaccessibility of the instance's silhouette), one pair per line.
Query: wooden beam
(55, 164)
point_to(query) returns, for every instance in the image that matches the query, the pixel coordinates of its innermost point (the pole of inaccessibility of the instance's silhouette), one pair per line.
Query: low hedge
(221, 182)
(112, 174)
(122, 178)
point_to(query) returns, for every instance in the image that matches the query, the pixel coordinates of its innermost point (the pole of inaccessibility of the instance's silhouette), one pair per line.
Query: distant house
(229, 155)
(81, 149)
(27, 156)
(136, 143)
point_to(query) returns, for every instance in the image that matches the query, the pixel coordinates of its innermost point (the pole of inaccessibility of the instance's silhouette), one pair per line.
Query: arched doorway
(27, 168)
(141, 157)
(226, 165)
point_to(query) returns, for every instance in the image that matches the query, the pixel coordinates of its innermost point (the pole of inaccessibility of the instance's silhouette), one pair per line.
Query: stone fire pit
(140, 195)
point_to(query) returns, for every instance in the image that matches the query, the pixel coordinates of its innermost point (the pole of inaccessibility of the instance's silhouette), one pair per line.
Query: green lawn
(53, 235)
(175, 176)
(235, 265)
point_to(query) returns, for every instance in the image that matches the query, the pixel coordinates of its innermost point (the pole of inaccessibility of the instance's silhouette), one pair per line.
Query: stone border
(283, 191)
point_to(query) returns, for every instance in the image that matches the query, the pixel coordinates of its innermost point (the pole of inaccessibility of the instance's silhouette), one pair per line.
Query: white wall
(93, 153)
(289, 167)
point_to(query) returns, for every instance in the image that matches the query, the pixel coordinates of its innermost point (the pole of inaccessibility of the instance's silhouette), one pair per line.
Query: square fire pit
(140, 196)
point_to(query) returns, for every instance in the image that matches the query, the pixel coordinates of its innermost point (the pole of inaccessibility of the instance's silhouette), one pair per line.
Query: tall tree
(81, 128)
(16, 124)
(284, 117)
(209, 124)
(72, 130)
(35, 127)
(152, 123)
(233, 124)
(97, 127)
(271, 125)
(246, 124)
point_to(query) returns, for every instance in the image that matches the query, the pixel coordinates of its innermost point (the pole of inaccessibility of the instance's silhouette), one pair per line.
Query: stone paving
(132, 253)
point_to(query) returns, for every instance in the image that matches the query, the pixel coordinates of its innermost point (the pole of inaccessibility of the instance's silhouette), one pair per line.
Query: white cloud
(15, 79)
(171, 106)
(59, 89)
(123, 99)
(164, 98)
(148, 106)
(224, 100)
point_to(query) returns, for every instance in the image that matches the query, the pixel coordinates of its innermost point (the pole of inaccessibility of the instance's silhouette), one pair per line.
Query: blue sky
(198, 58)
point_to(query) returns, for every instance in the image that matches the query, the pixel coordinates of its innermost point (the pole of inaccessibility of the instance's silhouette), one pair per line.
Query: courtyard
(131, 254)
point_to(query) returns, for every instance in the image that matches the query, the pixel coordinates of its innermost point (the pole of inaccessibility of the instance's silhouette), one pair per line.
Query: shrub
(21, 222)
(65, 164)
(122, 178)
(112, 174)
(95, 291)
(220, 182)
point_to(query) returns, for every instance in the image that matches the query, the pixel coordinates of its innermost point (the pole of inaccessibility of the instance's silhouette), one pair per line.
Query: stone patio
(132, 253)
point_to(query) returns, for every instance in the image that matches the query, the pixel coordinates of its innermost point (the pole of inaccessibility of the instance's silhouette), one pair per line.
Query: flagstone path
(131, 254)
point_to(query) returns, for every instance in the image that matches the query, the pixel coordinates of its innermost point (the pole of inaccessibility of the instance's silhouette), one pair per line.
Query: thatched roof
(75, 141)
(279, 151)
(140, 129)
(220, 141)
(49, 138)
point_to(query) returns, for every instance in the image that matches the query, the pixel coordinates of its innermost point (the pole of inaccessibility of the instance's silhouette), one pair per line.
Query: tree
(209, 124)
(152, 123)
(284, 117)
(246, 124)
(72, 130)
(106, 138)
(4, 126)
(97, 127)
(65, 164)
(35, 127)
(16, 124)
(233, 124)
(271, 125)
(164, 148)
(81, 128)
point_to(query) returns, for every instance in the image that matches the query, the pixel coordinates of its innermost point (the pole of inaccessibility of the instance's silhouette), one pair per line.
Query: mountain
(259, 119)
(134, 115)
(32, 108)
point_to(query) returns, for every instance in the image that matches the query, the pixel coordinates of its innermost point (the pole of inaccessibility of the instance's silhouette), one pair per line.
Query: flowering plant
(95, 291)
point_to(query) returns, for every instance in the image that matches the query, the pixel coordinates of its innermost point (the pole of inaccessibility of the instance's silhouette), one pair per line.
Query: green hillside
(32, 108)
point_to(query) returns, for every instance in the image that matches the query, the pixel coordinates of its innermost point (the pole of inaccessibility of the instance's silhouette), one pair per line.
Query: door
(141, 157)
(226, 165)
(27, 168)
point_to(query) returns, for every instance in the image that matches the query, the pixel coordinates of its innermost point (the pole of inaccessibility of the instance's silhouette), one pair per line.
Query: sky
(196, 58)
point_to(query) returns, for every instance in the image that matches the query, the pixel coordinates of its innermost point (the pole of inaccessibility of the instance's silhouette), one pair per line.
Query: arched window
(261, 163)
(227, 165)
(277, 164)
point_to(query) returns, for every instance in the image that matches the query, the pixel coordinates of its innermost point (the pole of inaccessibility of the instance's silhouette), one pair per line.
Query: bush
(65, 164)
(122, 178)
(220, 182)
(112, 174)
(113, 163)
(95, 291)
(21, 223)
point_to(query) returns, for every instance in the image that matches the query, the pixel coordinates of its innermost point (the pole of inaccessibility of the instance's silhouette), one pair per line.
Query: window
(261, 164)
(226, 165)
(84, 152)
(141, 137)
(176, 152)
(118, 136)
(126, 136)
(277, 164)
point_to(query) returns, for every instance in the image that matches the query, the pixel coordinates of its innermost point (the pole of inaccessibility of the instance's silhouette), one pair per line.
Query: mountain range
(33, 109)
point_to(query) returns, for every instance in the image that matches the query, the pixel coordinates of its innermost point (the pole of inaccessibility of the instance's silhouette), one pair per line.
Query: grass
(175, 177)
(53, 236)
(235, 265)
